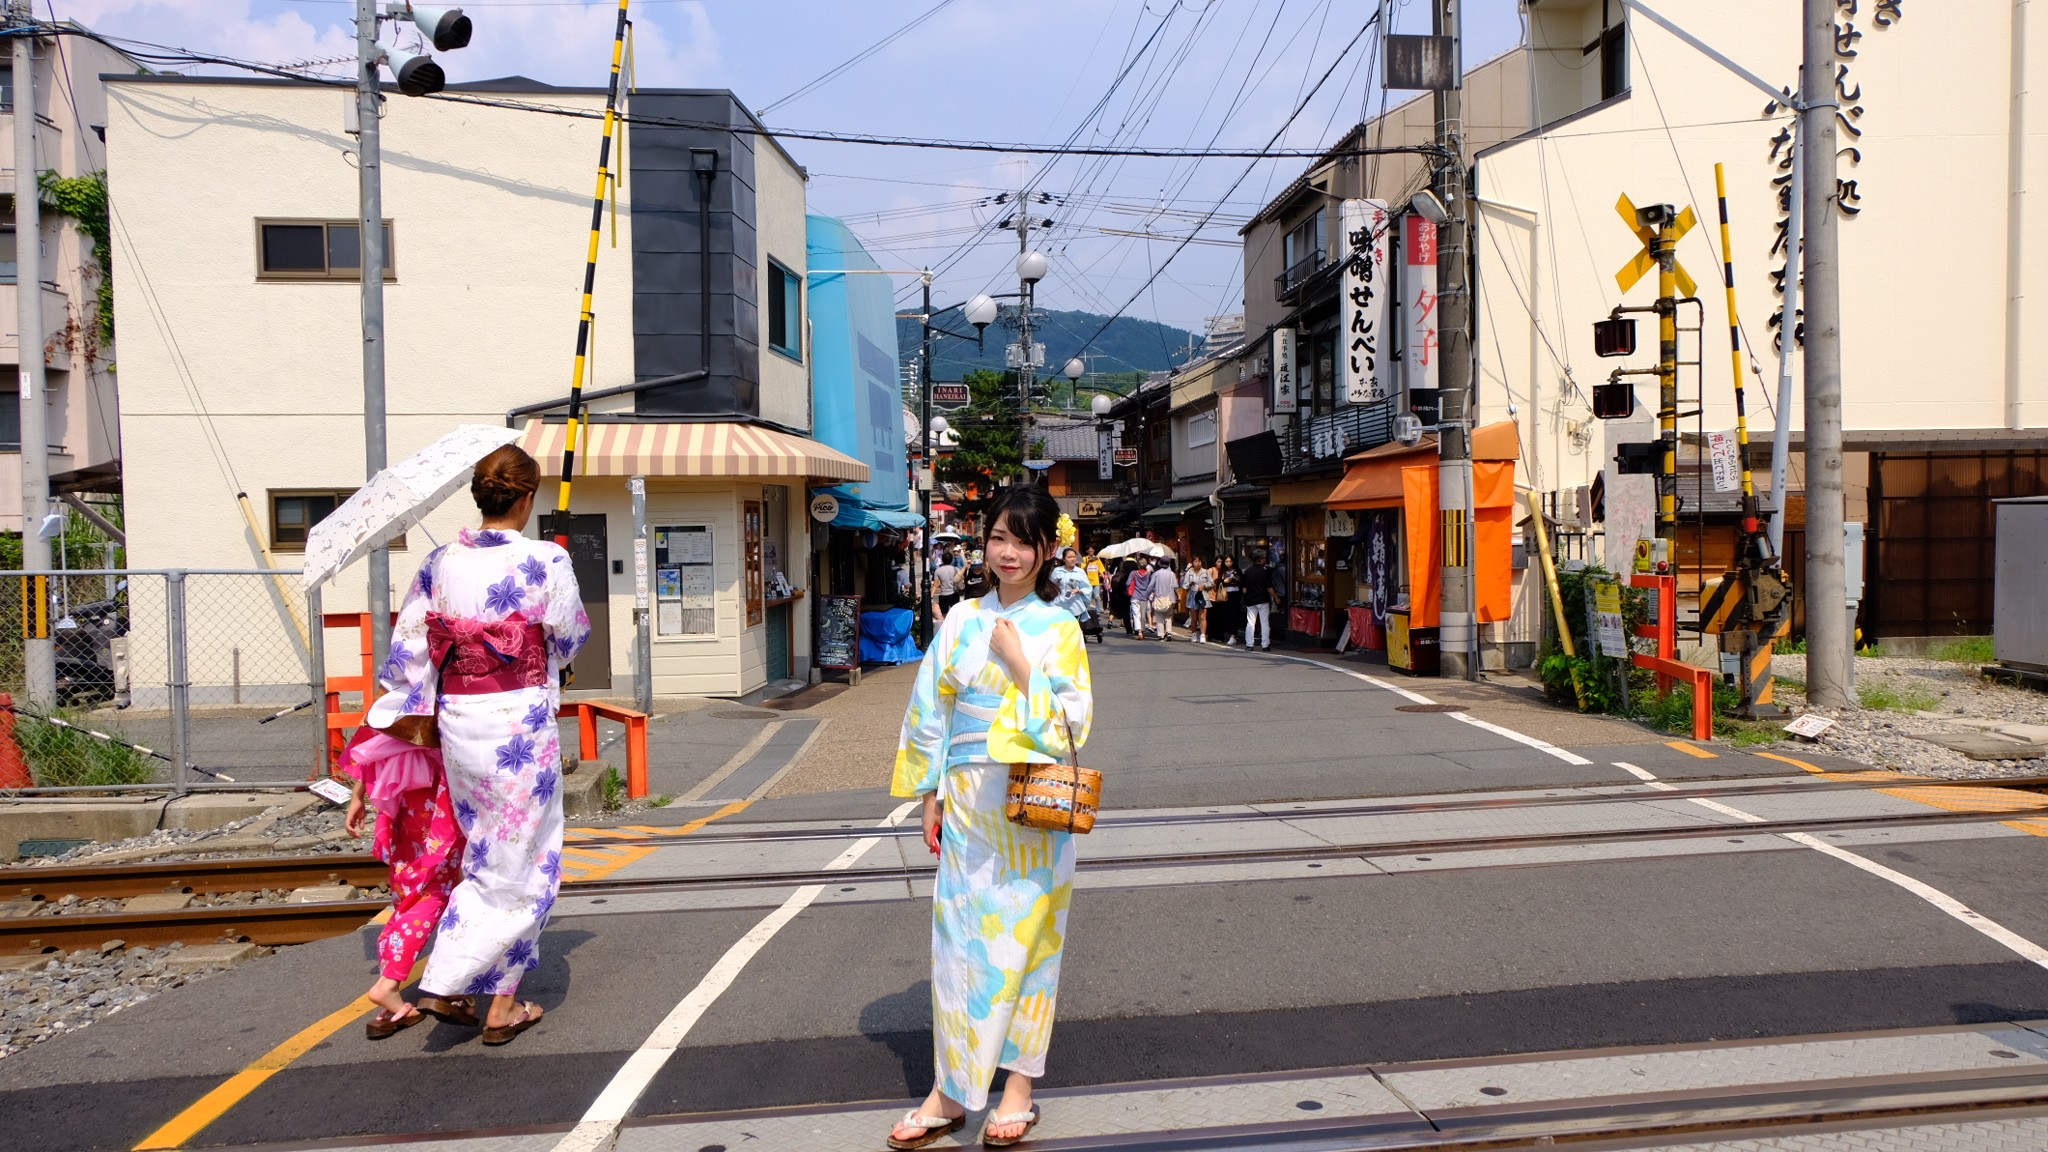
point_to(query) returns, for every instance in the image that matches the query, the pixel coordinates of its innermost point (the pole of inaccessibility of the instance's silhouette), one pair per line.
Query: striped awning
(690, 450)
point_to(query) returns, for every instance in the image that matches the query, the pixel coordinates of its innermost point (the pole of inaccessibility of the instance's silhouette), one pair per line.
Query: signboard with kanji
(950, 395)
(1126, 457)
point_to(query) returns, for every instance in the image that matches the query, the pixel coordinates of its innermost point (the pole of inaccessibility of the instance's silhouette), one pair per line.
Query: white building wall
(259, 385)
(779, 227)
(1923, 270)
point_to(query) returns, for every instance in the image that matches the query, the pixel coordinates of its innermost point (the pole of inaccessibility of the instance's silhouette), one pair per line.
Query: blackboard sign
(839, 632)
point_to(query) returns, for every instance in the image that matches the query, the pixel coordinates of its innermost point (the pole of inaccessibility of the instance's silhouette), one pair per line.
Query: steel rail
(855, 830)
(119, 881)
(1357, 850)
(255, 923)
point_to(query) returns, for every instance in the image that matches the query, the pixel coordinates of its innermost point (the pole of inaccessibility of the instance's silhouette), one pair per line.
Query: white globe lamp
(1031, 267)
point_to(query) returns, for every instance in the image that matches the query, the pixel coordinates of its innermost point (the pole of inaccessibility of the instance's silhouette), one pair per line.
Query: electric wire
(863, 54)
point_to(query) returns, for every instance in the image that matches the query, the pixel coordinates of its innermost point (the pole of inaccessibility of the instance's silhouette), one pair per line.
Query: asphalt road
(1204, 972)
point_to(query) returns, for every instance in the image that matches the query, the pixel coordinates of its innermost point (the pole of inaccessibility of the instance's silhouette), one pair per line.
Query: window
(10, 421)
(1304, 249)
(314, 250)
(1202, 429)
(785, 311)
(1612, 44)
(6, 85)
(8, 256)
(294, 512)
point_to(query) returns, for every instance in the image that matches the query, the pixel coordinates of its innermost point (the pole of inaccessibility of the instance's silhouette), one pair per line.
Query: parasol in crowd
(1135, 547)
(398, 498)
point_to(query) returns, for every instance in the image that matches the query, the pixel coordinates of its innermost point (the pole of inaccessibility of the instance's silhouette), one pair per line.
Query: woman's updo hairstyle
(1031, 514)
(502, 478)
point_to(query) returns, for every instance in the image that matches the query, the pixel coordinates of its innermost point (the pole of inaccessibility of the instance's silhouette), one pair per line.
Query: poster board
(751, 569)
(685, 580)
(839, 632)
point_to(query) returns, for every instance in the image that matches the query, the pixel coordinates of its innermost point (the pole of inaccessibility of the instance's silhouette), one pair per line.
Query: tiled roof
(1065, 439)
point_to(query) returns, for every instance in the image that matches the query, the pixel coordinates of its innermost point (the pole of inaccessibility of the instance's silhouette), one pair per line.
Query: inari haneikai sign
(1362, 301)
(1285, 399)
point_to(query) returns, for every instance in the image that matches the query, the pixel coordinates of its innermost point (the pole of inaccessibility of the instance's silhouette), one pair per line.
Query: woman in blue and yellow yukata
(1004, 681)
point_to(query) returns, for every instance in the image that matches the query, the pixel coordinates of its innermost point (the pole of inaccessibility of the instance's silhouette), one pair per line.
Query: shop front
(1392, 494)
(1313, 578)
(727, 546)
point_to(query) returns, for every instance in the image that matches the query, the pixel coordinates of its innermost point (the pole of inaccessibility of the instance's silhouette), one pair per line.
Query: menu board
(750, 571)
(839, 632)
(685, 581)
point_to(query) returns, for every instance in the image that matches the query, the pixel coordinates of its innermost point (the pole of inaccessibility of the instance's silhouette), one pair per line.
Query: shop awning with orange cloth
(708, 449)
(1405, 476)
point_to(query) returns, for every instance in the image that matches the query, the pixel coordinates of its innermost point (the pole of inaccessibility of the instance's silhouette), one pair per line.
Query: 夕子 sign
(1418, 299)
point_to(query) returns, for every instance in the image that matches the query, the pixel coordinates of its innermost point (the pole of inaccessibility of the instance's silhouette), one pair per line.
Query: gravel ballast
(67, 992)
(1953, 692)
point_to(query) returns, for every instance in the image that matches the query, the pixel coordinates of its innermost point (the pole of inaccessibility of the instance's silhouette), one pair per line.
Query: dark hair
(502, 479)
(1230, 560)
(1030, 514)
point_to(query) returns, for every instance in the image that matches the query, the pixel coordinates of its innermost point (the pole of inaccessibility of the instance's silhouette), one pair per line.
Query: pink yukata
(416, 834)
(481, 640)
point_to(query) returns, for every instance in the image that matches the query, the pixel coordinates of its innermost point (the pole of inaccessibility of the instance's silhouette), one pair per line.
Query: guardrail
(1663, 628)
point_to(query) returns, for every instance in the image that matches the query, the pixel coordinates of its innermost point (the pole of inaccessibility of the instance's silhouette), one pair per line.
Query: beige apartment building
(1945, 379)
(488, 212)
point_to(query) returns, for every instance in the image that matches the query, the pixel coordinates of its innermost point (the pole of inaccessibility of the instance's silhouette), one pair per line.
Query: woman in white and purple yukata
(480, 641)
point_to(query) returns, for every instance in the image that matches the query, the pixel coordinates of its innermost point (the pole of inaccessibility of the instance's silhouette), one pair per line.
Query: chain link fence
(155, 678)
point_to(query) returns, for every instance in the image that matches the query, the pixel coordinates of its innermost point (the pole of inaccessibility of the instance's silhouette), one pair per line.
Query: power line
(856, 58)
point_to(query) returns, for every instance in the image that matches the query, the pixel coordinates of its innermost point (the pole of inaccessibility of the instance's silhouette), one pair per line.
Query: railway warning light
(1614, 336)
(1615, 400)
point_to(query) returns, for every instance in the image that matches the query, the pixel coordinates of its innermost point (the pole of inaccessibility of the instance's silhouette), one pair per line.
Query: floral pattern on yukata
(502, 751)
(416, 835)
(999, 905)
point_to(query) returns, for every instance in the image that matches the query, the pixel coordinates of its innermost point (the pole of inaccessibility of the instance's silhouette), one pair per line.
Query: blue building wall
(856, 403)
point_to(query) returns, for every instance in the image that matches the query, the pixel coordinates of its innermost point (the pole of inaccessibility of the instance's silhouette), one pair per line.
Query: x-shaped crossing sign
(1644, 262)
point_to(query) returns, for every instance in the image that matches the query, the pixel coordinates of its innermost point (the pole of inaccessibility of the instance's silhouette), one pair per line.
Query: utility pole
(1029, 268)
(1829, 644)
(929, 474)
(39, 652)
(370, 270)
(1458, 635)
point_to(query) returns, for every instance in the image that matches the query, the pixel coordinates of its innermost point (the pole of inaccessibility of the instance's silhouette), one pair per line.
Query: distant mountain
(1127, 345)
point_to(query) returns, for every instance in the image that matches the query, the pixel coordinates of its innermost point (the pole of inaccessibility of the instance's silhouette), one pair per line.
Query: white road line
(1531, 741)
(1962, 913)
(598, 1129)
(1418, 698)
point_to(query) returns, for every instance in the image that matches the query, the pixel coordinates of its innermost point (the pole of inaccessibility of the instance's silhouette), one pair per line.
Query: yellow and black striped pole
(586, 317)
(1750, 527)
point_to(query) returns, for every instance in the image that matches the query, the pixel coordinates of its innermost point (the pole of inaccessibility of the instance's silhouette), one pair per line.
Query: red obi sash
(477, 657)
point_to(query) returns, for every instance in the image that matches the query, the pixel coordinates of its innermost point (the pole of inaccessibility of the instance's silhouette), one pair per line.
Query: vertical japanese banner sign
(1362, 301)
(1104, 449)
(1284, 397)
(1418, 298)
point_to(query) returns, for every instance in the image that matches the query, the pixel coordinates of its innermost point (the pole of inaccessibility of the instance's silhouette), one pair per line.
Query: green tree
(988, 454)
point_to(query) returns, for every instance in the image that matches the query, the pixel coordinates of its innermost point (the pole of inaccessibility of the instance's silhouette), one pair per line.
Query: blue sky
(974, 69)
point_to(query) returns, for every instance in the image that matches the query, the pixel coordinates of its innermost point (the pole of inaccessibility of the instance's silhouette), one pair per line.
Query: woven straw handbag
(1054, 797)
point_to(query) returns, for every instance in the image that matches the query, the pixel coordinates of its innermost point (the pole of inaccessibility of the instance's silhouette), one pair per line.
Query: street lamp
(981, 311)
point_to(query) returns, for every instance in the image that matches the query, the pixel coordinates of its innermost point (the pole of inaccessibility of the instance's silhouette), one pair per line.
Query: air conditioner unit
(1407, 427)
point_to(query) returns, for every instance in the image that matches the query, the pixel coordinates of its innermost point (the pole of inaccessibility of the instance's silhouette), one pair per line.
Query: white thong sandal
(1003, 1119)
(934, 1127)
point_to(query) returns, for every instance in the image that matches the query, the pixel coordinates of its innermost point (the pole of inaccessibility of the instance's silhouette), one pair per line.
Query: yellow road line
(232, 1091)
(1948, 798)
(1693, 750)
(180, 1129)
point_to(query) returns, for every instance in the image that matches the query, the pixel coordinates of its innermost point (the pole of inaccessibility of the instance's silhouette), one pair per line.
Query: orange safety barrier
(585, 712)
(1663, 628)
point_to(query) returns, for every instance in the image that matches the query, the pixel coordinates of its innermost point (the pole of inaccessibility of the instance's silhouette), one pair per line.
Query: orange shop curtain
(1425, 545)
(1493, 498)
(1493, 529)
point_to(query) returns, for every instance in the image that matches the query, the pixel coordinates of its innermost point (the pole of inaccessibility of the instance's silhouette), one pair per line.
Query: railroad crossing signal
(1645, 261)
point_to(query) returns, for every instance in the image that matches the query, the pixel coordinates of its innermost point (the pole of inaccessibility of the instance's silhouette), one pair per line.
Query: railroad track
(303, 923)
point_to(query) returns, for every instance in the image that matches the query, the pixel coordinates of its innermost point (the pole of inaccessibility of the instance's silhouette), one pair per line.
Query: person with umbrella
(476, 659)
